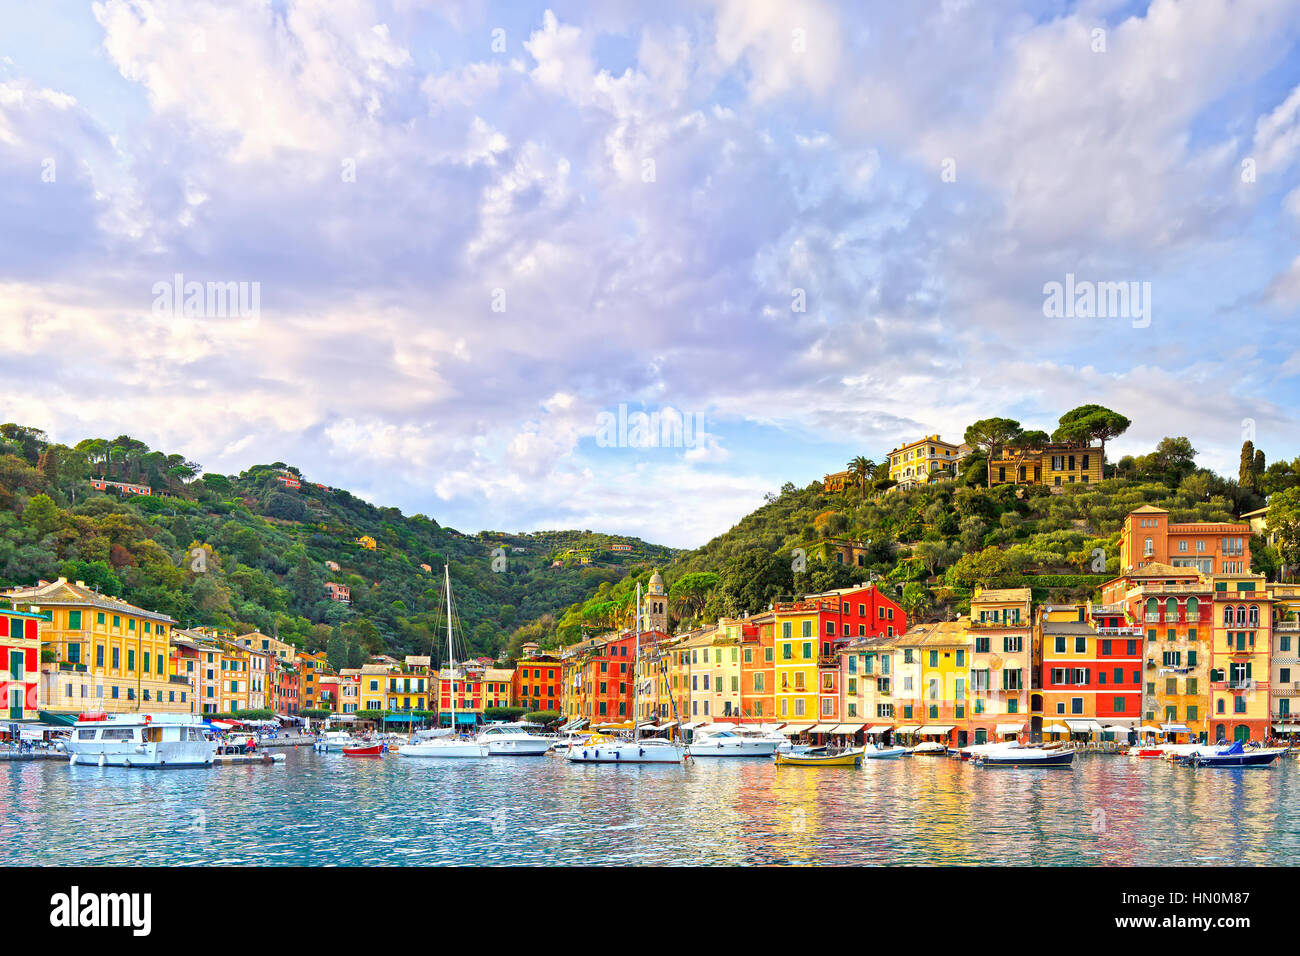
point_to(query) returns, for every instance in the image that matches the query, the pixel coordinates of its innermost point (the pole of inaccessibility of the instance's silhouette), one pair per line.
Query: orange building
(758, 668)
(537, 683)
(1209, 547)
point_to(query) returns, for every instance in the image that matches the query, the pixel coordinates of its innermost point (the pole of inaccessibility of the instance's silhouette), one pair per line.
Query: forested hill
(251, 550)
(931, 545)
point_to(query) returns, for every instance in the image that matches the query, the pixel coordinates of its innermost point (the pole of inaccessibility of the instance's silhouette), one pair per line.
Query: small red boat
(1147, 753)
(366, 750)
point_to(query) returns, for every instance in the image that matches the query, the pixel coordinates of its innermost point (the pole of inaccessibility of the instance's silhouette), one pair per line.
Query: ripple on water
(323, 810)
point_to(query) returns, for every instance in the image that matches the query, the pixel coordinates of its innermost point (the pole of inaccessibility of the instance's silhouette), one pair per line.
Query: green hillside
(246, 551)
(929, 546)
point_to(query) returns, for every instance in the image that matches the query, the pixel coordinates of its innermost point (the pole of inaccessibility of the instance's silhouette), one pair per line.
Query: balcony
(1288, 689)
(1126, 631)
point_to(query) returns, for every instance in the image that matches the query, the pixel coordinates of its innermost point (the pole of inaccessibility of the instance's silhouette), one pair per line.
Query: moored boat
(1027, 757)
(447, 747)
(1235, 756)
(931, 748)
(724, 740)
(877, 752)
(514, 740)
(364, 750)
(141, 740)
(849, 758)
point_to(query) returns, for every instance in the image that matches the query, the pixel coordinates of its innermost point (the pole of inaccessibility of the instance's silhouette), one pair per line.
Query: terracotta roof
(1001, 594)
(1156, 569)
(63, 593)
(1148, 509)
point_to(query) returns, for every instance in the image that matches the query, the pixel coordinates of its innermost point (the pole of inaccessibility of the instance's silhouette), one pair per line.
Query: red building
(845, 615)
(284, 685)
(1091, 670)
(20, 656)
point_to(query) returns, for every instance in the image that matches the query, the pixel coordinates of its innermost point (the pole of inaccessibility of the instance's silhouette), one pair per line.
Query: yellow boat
(850, 758)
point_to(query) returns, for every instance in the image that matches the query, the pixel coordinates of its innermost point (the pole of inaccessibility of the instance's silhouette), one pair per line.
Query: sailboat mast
(451, 653)
(636, 671)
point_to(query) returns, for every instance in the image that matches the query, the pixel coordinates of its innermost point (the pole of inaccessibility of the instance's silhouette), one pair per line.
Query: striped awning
(790, 730)
(1083, 726)
(822, 729)
(880, 729)
(907, 729)
(848, 728)
(1009, 728)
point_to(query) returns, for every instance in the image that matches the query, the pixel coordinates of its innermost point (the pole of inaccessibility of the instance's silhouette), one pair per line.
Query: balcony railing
(1288, 689)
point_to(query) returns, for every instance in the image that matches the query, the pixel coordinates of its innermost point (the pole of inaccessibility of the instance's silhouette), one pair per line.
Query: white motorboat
(975, 750)
(726, 740)
(447, 747)
(615, 750)
(878, 752)
(931, 748)
(514, 740)
(141, 740)
(604, 749)
(1027, 757)
(333, 741)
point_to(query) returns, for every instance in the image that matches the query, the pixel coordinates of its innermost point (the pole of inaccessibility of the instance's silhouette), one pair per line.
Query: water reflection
(324, 810)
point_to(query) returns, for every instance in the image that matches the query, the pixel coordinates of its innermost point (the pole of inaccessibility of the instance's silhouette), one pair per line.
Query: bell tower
(655, 605)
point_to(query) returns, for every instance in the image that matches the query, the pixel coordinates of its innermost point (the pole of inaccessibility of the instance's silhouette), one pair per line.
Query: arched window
(1153, 609)
(1193, 607)
(1241, 614)
(1150, 547)
(1227, 615)
(1171, 609)
(1254, 615)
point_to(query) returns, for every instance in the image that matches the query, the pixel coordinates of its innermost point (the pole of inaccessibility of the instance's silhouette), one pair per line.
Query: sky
(473, 236)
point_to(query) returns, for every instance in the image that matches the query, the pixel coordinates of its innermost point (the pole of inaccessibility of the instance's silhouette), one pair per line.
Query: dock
(32, 755)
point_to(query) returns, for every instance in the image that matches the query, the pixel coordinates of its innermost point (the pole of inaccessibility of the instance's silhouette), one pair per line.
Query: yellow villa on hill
(110, 655)
(924, 461)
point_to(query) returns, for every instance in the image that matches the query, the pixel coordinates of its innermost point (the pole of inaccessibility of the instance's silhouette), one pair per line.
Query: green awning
(401, 719)
(57, 720)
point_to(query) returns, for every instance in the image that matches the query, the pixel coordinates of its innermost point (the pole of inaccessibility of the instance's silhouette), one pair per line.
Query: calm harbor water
(326, 809)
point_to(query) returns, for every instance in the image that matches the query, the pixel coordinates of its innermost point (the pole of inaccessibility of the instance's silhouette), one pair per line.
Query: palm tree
(861, 469)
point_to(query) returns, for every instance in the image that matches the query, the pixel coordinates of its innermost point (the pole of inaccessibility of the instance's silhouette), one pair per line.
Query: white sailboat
(451, 747)
(601, 749)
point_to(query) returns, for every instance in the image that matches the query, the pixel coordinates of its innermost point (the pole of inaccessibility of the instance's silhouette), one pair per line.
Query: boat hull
(732, 747)
(851, 758)
(624, 753)
(445, 750)
(1261, 758)
(376, 750)
(1063, 758)
(884, 753)
(522, 746)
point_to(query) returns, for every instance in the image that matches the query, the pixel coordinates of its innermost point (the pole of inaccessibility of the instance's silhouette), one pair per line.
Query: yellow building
(367, 542)
(374, 685)
(109, 654)
(795, 673)
(409, 688)
(236, 674)
(921, 462)
(1054, 465)
(945, 655)
(1001, 667)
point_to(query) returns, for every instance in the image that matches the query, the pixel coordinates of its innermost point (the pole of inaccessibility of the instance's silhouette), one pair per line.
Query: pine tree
(1246, 470)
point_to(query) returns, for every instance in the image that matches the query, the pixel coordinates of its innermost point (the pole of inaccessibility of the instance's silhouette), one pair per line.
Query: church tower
(655, 605)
